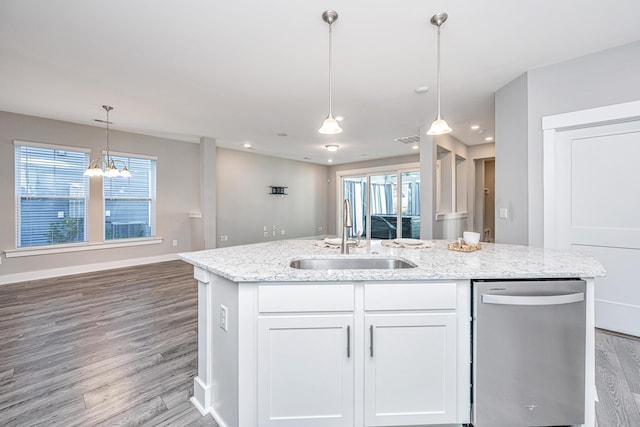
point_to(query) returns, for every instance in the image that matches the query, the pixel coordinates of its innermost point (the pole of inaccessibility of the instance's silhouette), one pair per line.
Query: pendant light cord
(330, 66)
(438, 72)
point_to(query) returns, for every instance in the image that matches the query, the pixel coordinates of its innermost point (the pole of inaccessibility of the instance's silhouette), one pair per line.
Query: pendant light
(330, 125)
(110, 168)
(439, 125)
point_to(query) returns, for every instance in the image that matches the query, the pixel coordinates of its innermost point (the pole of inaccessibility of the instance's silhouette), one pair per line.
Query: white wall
(245, 207)
(511, 162)
(604, 78)
(177, 194)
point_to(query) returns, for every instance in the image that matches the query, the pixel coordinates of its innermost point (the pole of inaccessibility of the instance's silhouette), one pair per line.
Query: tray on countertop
(455, 246)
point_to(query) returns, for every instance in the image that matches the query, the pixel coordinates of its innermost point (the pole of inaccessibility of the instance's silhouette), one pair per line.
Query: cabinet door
(410, 369)
(305, 371)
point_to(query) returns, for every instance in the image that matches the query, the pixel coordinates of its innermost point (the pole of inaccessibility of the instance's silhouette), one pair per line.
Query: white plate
(335, 241)
(409, 242)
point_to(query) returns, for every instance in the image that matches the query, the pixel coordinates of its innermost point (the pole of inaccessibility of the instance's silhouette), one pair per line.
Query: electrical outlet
(504, 213)
(265, 228)
(174, 243)
(320, 228)
(224, 238)
(224, 318)
(266, 234)
(282, 232)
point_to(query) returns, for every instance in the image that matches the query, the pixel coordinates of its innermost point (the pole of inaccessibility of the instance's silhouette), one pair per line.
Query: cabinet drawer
(304, 298)
(410, 296)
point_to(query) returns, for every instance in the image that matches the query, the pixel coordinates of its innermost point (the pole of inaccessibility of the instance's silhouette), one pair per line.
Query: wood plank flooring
(617, 380)
(119, 347)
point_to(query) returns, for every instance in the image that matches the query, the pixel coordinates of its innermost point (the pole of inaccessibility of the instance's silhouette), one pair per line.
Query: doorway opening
(484, 221)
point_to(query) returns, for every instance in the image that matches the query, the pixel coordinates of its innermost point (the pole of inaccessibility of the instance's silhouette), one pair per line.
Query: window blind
(51, 194)
(130, 203)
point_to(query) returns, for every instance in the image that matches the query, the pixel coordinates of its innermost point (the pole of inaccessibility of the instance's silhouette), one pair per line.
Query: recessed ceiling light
(331, 147)
(489, 138)
(421, 89)
(330, 161)
(247, 145)
(475, 127)
(415, 147)
(339, 118)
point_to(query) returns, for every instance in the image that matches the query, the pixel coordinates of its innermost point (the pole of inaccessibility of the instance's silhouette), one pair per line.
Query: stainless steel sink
(351, 263)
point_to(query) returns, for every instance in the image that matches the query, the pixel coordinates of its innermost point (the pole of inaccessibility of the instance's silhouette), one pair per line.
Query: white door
(410, 369)
(597, 210)
(305, 371)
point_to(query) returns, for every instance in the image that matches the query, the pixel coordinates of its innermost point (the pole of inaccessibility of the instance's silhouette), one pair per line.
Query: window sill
(79, 247)
(453, 215)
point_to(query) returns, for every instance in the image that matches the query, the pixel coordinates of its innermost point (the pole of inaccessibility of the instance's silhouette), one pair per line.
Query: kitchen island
(280, 346)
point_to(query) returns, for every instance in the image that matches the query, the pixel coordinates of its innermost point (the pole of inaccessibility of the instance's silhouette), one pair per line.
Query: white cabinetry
(323, 348)
(305, 361)
(410, 369)
(411, 355)
(298, 353)
(305, 371)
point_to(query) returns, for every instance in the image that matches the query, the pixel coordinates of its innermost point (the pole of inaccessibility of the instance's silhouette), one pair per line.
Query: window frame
(18, 196)
(153, 190)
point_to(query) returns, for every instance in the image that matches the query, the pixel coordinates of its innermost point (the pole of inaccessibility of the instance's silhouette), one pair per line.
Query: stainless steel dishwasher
(528, 353)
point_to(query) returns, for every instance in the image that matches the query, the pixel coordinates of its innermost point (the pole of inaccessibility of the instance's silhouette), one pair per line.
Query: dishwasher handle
(532, 299)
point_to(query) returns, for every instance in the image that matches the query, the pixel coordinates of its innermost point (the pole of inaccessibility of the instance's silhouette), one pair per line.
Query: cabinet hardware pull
(371, 341)
(532, 299)
(348, 341)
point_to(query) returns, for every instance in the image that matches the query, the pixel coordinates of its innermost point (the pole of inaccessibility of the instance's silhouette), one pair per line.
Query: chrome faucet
(347, 223)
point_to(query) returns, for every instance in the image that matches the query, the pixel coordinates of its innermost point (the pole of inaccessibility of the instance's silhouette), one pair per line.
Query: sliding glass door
(384, 205)
(383, 190)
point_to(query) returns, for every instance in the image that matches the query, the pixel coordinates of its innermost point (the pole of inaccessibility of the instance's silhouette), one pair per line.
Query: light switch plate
(504, 213)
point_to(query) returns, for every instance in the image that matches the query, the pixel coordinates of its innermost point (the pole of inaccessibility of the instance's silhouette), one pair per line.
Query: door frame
(555, 124)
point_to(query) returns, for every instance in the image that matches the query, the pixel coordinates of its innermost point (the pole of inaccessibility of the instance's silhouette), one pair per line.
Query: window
(381, 199)
(130, 203)
(51, 194)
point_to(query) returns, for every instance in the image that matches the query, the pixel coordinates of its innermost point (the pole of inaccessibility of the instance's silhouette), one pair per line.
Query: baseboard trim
(85, 268)
(199, 407)
(618, 317)
(218, 418)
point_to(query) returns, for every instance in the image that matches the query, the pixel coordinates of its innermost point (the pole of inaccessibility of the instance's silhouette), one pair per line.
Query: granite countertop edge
(269, 262)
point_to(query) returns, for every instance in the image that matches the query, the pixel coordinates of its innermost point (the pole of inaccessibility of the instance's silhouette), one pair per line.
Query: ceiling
(247, 70)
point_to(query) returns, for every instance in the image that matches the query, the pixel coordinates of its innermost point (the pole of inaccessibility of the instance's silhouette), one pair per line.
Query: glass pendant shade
(330, 126)
(94, 170)
(439, 127)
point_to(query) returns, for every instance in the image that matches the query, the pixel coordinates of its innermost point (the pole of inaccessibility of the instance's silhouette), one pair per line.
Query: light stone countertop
(269, 262)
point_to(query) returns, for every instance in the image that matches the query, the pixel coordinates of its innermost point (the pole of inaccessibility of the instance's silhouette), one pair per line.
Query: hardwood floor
(617, 380)
(119, 347)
